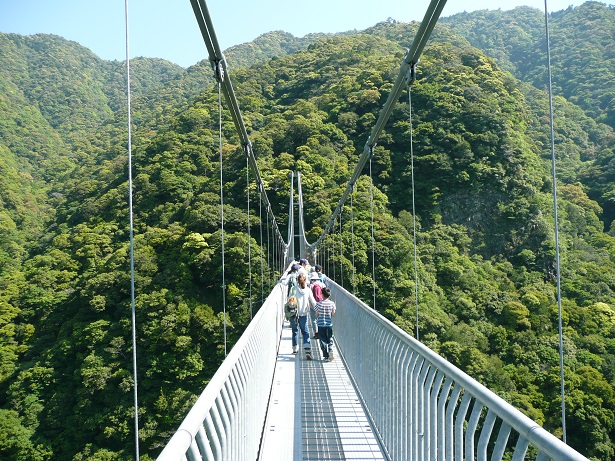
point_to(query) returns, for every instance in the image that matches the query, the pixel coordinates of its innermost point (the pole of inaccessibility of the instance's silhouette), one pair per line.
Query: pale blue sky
(168, 29)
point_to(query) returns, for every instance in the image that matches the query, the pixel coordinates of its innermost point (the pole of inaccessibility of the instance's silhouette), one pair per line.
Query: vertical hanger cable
(556, 230)
(416, 270)
(249, 235)
(260, 225)
(341, 253)
(354, 271)
(222, 213)
(371, 203)
(131, 237)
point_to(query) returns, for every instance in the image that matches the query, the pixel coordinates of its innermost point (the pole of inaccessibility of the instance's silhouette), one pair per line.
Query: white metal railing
(226, 422)
(425, 408)
(422, 407)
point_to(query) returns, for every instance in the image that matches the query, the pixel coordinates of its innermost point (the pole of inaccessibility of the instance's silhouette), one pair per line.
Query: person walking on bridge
(316, 286)
(325, 311)
(305, 301)
(304, 267)
(322, 277)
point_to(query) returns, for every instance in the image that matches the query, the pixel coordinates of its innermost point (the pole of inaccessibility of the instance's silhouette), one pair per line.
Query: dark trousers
(325, 336)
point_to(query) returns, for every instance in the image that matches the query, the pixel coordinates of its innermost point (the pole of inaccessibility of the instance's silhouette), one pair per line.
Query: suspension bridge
(386, 396)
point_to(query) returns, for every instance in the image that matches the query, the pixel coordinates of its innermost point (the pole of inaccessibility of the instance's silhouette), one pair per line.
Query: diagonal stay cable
(405, 77)
(218, 62)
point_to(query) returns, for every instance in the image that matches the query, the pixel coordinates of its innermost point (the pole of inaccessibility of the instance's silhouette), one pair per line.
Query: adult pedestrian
(292, 278)
(316, 286)
(305, 267)
(323, 278)
(305, 301)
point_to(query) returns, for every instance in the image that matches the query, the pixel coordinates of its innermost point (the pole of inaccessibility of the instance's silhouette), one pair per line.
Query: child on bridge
(325, 311)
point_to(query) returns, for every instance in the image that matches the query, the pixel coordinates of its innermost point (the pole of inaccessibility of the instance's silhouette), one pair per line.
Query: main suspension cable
(131, 238)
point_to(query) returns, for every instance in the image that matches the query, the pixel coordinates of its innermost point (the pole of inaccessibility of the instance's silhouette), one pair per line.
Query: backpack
(290, 308)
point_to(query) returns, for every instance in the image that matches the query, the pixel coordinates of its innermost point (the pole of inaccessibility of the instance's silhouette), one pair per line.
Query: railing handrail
(345, 323)
(214, 397)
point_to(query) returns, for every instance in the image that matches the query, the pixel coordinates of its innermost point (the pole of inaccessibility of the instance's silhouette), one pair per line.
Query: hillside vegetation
(484, 207)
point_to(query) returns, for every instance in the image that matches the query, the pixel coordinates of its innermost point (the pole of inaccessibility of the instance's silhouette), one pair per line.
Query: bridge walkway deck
(314, 412)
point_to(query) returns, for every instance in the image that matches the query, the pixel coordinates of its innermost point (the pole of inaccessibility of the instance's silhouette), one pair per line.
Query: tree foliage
(484, 219)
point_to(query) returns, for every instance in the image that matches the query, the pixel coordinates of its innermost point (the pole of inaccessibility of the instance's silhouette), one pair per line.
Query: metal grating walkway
(314, 412)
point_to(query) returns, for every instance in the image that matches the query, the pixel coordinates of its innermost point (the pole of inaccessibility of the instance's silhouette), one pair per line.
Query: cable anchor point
(218, 70)
(411, 75)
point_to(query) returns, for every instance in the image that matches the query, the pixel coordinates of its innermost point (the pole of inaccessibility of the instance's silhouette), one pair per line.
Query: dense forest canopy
(484, 208)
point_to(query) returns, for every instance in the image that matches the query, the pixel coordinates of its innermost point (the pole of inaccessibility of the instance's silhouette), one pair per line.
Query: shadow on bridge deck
(314, 412)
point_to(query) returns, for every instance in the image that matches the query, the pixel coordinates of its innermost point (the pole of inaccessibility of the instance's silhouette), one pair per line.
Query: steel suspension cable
(371, 204)
(268, 255)
(260, 225)
(328, 256)
(341, 254)
(354, 271)
(249, 233)
(406, 74)
(416, 270)
(556, 230)
(274, 255)
(222, 214)
(333, 249)
(218, 62)
(131, 239)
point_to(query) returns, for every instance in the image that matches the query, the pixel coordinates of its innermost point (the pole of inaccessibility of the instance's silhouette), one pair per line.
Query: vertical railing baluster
(501, 442)
(427, 410)
(225, 424)
(416, 413)
(397, 396)
(204, 446)
(193, 452)
(212, 433)
(427, 369)
(485, 436)
(520, 449)
(434, 416)
(459, 425)
(450, 423)
(411, 405)
(442, 400)
(470, 441)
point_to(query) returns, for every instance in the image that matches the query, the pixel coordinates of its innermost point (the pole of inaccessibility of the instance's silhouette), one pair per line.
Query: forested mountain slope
(484, 208)
(582, 54)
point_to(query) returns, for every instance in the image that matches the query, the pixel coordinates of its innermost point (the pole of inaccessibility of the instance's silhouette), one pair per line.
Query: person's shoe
(330, 356)
(316, 335)
(295, 349)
